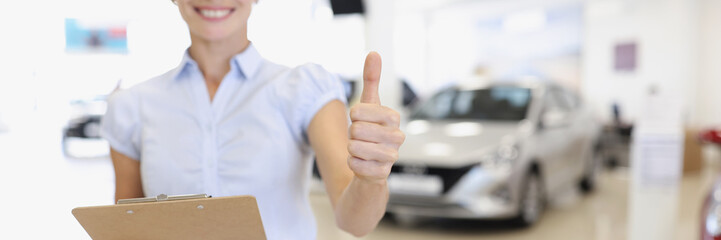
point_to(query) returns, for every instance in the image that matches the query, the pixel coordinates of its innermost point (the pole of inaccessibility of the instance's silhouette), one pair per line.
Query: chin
(213, 34)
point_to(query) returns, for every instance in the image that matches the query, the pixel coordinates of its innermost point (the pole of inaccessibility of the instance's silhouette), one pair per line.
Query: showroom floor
(600, 216)
(39, 187)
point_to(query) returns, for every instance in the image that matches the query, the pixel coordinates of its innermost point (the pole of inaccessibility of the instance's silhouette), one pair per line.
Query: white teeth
(214, 13)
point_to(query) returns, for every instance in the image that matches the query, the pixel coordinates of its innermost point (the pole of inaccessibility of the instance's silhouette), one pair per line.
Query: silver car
(494, 152)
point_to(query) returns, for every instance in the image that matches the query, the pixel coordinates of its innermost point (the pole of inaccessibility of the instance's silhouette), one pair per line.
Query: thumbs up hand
(374, 132)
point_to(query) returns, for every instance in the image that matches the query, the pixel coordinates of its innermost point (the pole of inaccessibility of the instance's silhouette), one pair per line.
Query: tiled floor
(600, 216)
(39, 187)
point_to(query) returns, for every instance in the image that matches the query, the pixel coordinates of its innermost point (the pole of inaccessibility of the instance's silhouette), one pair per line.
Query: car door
(577, 132)
(553, 140)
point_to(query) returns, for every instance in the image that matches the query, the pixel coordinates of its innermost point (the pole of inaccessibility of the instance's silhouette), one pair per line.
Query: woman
(228, 122)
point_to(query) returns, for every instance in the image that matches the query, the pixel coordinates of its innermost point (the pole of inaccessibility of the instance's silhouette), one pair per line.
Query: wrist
(382, 182)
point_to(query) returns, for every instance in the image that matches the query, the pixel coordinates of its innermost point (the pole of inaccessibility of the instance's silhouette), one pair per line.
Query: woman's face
(215, 19)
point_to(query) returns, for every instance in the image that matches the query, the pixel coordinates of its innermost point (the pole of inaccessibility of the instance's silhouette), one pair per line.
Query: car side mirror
(554, 119)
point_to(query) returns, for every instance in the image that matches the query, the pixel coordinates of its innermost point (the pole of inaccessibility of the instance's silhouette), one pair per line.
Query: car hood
(452, 143)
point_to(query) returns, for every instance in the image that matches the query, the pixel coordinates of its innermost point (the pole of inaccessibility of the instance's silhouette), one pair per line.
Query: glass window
(571, 99)
(496, 103)
(557, 101)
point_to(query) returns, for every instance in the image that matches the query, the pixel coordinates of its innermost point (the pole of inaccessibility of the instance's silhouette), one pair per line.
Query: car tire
(532, 202)
(592, 169)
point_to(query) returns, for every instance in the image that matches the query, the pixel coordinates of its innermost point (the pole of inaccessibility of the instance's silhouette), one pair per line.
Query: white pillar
(707, 102)
(656, 167)
(379, 37)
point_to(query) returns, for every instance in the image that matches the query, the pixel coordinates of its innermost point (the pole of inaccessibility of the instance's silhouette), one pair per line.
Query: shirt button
(209, 127)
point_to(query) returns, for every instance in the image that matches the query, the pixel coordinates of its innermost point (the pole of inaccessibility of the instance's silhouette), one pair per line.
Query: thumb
(371, 78)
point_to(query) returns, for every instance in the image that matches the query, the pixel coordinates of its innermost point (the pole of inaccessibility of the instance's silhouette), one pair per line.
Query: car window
(550, 103)
(496, 103)
(555, 100)
(569, 99)
(440, 105)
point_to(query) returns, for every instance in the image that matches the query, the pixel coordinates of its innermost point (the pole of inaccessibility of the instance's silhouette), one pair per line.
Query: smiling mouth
(214, 13)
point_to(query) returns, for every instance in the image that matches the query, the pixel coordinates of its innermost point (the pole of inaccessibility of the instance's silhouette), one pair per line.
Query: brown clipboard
(234, 217)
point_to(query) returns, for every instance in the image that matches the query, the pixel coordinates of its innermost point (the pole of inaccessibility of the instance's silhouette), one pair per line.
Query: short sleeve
(120, 125)
(317, 88)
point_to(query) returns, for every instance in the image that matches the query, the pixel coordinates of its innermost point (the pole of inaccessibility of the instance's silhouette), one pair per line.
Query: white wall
(37, 74)
(679, 45)
(442, 42)
(666, 34)
(708, 98)
(679, 42)
(294, 32)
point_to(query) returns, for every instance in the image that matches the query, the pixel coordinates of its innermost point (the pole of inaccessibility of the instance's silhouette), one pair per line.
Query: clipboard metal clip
(162, 198)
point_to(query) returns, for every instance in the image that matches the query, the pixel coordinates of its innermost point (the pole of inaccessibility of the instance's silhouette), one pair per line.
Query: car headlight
(503, 156)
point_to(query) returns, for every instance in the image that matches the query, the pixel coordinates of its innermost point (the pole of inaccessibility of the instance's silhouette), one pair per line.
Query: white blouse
(250, 140)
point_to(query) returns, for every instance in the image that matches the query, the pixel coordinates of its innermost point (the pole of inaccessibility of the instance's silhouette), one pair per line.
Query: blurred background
(557, 119)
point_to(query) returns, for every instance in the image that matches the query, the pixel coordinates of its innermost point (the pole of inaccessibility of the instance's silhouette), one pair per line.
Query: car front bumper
(479, 194)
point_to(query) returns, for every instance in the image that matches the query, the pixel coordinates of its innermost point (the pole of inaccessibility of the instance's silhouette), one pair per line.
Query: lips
(214, 13)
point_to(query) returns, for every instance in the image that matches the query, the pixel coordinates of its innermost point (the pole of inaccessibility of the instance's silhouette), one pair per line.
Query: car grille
(449, 176)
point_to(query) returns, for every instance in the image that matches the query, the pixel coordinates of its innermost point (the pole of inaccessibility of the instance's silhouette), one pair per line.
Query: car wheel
(532, 201)
(591, 170)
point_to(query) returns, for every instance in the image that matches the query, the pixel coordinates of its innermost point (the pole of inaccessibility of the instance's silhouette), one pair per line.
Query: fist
(374, 133)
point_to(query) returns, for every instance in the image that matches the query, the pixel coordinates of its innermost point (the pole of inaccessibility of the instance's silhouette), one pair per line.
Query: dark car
(85, 123)
(84, 127)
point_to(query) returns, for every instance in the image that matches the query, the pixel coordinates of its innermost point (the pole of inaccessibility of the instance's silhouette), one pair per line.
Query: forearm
(361, 206)
(358, 188)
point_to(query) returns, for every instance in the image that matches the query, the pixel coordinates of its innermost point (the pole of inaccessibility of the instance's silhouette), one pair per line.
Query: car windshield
(504, 103)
